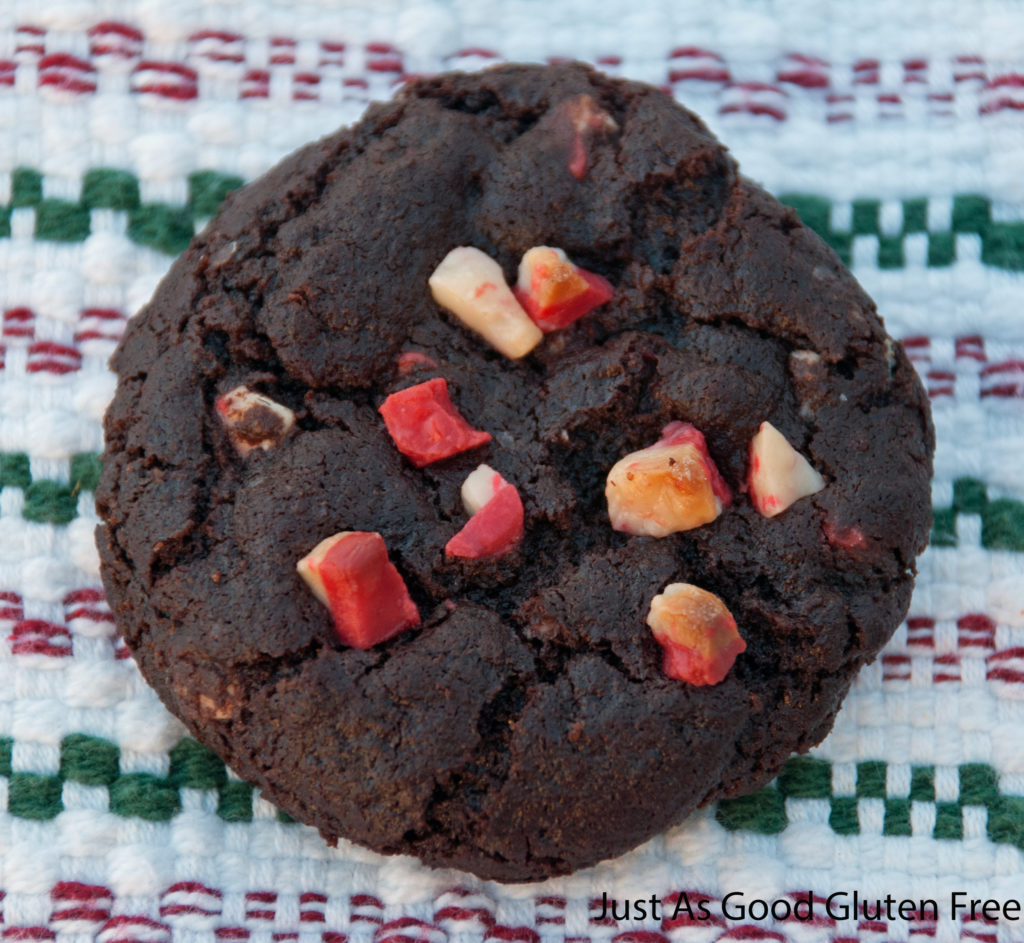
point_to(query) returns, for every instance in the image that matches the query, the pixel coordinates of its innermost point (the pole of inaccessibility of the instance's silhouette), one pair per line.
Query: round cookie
(526, 727)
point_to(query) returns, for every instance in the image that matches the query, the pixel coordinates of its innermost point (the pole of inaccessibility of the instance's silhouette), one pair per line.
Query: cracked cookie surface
(526, 728)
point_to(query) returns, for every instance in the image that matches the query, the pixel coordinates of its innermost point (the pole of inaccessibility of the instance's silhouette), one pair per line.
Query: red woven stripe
(998, 369)
(263, 897)
(365, 900)
(751, 932)
(116, 28)
(80, 914)
(477, 51)
(50, 357)
(640, 936)
(805, 78)
(465, 914)
(796, 70)
(705, 74)
(971, 346)
(67, 73)
(171, 80)
(178, 910)
(38, 637)
(226, 36)
(513, 934)
(75, 890)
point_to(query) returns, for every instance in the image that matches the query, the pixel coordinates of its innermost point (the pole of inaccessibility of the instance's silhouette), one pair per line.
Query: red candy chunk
(697, 632)
(554, 292)
(668, 487)
(496, 524)
(351, 574)
(425, 426)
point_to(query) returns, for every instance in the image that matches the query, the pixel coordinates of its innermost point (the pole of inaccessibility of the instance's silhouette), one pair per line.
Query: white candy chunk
(309, 565)
(472, 286)
(480, 486)
(779, 474)
(253, 421)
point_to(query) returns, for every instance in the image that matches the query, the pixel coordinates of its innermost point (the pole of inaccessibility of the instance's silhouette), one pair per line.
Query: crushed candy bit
(253, 421)
(412, 360)
(425, 426)
(697, 633)
(585, 119)
(351, 574)
(554, 292)
(471, 285)
(849, 537)
(496, 518)
(667, 487)
(778, 475)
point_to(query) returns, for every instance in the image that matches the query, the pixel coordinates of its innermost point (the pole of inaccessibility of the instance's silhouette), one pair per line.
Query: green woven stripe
(1002, 520)
(169, 228)
(1002, 243)
(763, 812)
(157, 225)
(110, 189)
(31, 796)
(806, 778)
(922, 784)
(871, 780)
(14, 470)
(93, 761)
(195, 767)
(89, 760)
(50, 502)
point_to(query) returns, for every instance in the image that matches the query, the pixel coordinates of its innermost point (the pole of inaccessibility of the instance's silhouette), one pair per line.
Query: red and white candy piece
(586, 119)
(495, 525)
(697, 633)
(425, 425)
(472, 286)
(778, 474)
(554, 292)
(351, 574)
(668, 487)
(253, 421)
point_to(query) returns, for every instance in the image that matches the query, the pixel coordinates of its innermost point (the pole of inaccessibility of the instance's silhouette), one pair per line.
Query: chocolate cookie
(516, 716)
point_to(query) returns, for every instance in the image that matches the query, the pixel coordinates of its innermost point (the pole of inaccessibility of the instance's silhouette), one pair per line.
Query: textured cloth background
(898, 132)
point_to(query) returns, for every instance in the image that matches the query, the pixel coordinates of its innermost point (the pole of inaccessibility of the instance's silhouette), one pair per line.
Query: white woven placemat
(898, 132)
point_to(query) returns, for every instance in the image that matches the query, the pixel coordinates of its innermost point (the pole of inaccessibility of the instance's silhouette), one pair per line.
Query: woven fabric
(896, 130)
